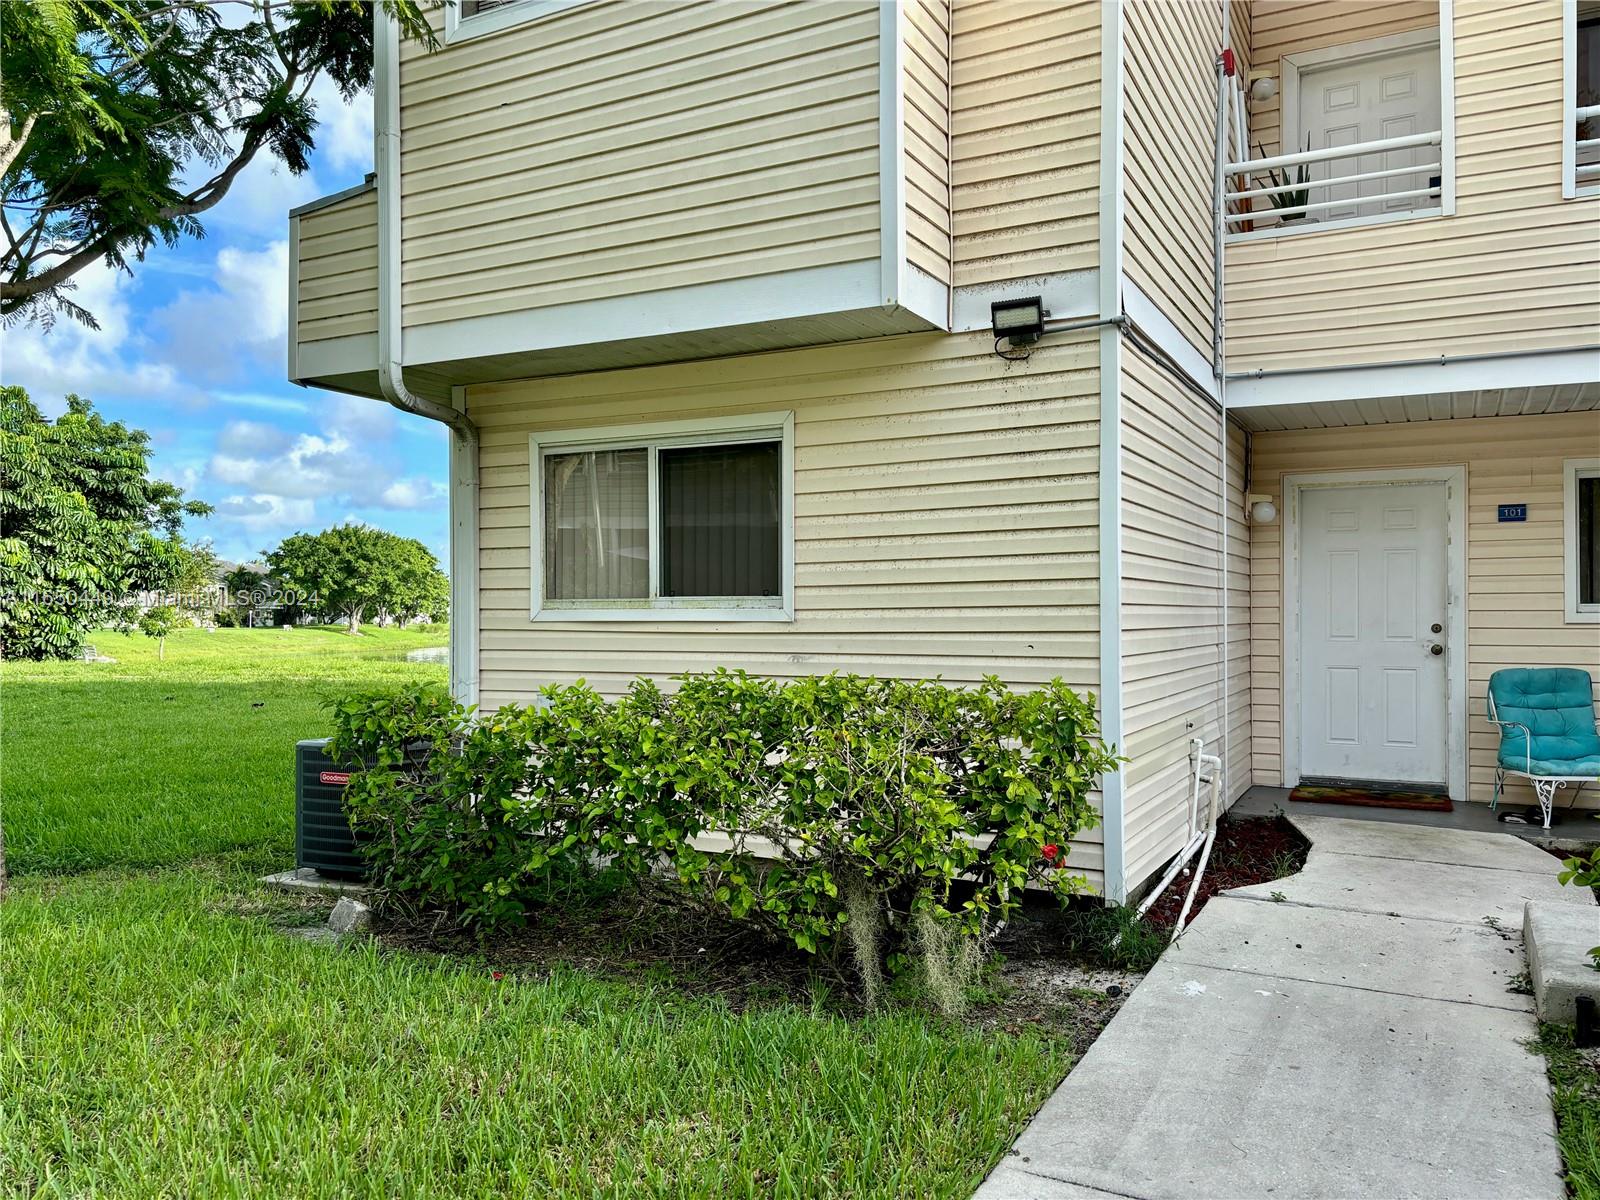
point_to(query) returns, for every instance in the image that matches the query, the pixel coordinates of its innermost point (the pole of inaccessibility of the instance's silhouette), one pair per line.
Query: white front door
(1393, 95)
(1372, 596)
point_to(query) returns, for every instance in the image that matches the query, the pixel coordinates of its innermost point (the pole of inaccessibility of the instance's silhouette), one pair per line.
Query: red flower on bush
(1050, 850)
(497, 975)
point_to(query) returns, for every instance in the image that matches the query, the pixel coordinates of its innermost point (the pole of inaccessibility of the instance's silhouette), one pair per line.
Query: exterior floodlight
(1021, 322)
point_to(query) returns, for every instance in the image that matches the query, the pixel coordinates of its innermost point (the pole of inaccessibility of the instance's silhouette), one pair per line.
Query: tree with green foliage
(351, 571)
(121, 121)
(420, 588)
(83, 527)
(157, 623)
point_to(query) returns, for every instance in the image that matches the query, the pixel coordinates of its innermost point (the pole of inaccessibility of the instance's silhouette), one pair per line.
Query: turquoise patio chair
(1547, 730)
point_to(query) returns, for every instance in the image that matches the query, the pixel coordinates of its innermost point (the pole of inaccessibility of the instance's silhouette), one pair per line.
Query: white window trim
(1572, 470)
(1569, 107)
(657, 434)
(463, 29)
(1289, 68)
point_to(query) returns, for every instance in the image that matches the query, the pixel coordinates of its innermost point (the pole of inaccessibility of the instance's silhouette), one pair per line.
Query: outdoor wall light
(1262, 510)
(1263, 86)
(1020, 322)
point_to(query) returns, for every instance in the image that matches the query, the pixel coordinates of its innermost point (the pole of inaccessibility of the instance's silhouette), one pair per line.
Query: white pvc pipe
(1196, 833)
(1212, 813)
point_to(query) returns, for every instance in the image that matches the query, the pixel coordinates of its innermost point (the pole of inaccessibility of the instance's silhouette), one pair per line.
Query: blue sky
(191, 349)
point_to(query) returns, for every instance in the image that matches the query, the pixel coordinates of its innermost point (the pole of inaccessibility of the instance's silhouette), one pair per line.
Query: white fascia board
(1066, 295)
(1466, 374)
(1149, 317)
(787, 295)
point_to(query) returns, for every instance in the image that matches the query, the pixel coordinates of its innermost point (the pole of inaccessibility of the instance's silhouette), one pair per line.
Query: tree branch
(10, 146)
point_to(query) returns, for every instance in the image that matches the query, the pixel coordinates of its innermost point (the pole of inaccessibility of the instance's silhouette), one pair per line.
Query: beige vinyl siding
(1517, 268)
(1239, 37)
(621, 148)
(1169, 154)
(1172, 608)
(945, 518)
(1025, 138)
(1280, 27)
(926, 87)
(1515, 616)
(338, 270)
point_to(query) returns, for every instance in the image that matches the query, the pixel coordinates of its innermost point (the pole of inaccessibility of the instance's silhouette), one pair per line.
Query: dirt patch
(1248, 850)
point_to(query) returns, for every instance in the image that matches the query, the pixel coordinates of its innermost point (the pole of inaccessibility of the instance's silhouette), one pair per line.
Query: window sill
(1583, 617)
(464, 29)
(770, 614)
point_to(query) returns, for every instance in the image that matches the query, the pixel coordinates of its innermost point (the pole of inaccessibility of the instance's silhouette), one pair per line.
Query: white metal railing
(1252, 179)
(1585, 172)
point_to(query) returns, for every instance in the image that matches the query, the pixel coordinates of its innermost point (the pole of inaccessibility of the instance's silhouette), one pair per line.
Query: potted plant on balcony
(1290, 204)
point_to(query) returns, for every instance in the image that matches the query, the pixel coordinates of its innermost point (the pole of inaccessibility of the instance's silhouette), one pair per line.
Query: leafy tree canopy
(121, 121)
(82, 525)
(350, 571)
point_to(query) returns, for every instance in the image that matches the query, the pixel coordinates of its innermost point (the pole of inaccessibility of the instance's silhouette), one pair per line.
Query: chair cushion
(1581, 768)
(1556, 704)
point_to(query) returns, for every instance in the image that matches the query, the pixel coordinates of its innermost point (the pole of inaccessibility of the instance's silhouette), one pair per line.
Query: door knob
(1436, 649)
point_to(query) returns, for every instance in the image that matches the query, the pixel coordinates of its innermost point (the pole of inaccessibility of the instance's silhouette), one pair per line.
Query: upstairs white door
(1372, 633)
(1392, 95)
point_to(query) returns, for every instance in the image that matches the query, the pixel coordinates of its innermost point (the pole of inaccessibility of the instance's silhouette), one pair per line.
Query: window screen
(597, 525)
(471, 8)
(720, 520)
(1588, 539)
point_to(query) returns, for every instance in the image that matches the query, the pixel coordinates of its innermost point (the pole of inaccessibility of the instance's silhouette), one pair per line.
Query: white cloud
(71, 357)
(416, 492)
(265, 514)
(344, 130)
(244, 315)
(252, 437)
(359, 418)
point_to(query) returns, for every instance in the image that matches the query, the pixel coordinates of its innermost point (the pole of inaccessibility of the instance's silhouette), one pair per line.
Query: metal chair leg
(1499, 785)
(1545, 789)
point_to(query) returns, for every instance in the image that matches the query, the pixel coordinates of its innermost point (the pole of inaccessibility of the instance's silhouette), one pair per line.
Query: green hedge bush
(875, 813)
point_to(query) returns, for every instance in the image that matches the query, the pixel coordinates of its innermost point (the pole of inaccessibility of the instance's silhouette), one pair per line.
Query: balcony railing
(1383, 192)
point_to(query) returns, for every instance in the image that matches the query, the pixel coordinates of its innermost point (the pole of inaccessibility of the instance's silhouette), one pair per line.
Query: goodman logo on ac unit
(337, 778)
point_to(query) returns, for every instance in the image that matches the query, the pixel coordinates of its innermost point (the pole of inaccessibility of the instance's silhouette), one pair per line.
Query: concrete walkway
(1352, 1038)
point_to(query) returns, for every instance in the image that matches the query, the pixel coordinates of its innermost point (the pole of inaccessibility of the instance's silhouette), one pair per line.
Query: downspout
(1225, 71)
(386, 163)
(391, 372)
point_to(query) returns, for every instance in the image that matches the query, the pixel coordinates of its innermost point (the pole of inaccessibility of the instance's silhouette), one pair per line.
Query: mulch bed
(1248, 850)
(634, 935)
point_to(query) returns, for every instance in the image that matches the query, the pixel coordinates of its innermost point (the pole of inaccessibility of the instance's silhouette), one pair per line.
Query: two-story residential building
(707, 290)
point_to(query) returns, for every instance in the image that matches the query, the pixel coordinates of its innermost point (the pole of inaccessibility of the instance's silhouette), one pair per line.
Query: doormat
(1367, 798)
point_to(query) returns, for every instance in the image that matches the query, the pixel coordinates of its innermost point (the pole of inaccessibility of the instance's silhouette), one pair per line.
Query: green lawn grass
(146, 761)
(1575, 1092)
(167, 1032)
